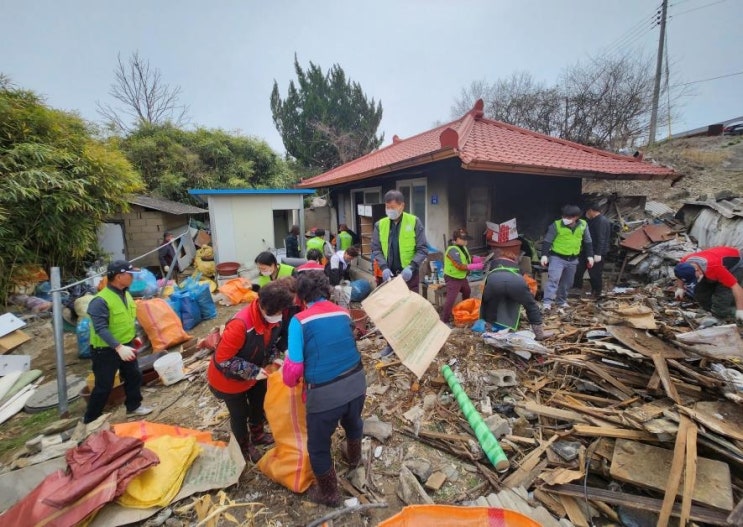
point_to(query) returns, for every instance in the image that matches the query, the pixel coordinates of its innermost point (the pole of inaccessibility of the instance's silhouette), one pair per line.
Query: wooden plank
(530, 461)
(665, 377)
(704, 380)
(648, 411)
(650, 467)
(13, 340)
(552, 504)
(674, 475)
(629, 392)
(690, 473)
(553, 413)
(575, 513)
(618, 433)
(736, 517)
(698, 513)
(645, 343)
(723, 417)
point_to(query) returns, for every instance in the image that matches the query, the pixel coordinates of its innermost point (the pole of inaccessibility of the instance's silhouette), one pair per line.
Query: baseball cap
(461, 234)
(120, 266)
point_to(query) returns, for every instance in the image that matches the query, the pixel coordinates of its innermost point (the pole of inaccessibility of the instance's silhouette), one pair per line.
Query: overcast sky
(413, 55)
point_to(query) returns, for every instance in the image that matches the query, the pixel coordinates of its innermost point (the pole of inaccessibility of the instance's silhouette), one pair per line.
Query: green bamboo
(487, 440)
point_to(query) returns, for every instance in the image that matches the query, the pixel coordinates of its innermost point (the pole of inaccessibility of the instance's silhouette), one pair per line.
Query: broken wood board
(640, 317)
(718, 342)
(698, 513)
(645, 343)
(574, 510)
(723, 417)
(530, 461)
(675, 474)
(665, 378)
(650, 467)
(648, 411)
(552, 413)
(12, 340)
(617, 433)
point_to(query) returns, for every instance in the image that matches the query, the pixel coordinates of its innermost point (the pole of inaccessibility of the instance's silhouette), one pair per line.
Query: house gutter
(557, 172)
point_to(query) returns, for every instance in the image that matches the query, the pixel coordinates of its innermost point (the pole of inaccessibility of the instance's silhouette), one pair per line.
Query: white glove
(126, 353)
(544, 261)
(387, 275)
(590, 262)
(263, 374)
(739, 315)
(680, 293)
(597, 258)
(166, 268)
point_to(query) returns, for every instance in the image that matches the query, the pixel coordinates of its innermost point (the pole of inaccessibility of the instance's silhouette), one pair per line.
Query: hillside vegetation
(710, 165)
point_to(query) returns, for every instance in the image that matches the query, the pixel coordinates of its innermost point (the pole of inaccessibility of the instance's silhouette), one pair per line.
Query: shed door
(478, 212)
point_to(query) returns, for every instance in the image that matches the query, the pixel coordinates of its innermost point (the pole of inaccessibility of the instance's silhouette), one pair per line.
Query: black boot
(325, 490)
(351, 452)
(259, 436)
(248, 449)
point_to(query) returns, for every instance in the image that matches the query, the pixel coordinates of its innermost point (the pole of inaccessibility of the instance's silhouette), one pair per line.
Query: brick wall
(143, 231)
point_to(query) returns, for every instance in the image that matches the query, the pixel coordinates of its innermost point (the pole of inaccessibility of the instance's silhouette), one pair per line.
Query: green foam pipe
(487, 440)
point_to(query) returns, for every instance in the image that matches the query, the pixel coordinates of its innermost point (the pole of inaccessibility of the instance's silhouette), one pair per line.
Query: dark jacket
(600, 229)
(292, 246)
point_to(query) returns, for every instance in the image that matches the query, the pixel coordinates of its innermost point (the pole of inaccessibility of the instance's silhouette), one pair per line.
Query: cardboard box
(13, 340)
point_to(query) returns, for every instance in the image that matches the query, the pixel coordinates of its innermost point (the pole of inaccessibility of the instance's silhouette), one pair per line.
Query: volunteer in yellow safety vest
(113, 315)
(318, 242)
(270, 269)
(457, 264)
(566, 238)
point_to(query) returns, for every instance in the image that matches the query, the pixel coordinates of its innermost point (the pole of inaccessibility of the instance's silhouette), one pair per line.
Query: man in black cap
(113, 315)
(565, 239)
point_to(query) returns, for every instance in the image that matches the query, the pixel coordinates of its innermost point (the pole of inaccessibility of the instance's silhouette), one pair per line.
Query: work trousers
(322, 425)
(502, 297)
(244, 407)
(106, 362)
(560, 276)
(595, 275)
(454, 286)
(715, 297)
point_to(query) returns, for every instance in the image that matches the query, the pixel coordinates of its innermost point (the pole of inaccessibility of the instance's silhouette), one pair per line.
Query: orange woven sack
(288, 462)
(162, 325)
(531, 284)
(238, 290)
(414, 515)
(466, 312)
(145, 430)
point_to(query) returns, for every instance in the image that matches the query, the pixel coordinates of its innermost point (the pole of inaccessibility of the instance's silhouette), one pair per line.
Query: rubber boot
(325, 490)
(259, 436)
(248, 449)
(351, 452)
(540, 333)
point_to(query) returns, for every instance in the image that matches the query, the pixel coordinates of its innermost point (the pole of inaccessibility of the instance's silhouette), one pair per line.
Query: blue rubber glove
(407, 274)
(480, 326)
(386, 275)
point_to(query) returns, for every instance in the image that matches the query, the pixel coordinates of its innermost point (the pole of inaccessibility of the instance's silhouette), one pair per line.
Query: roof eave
(438, 155)
(561, 172)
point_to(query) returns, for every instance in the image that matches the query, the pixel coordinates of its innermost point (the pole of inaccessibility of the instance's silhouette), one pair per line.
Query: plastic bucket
(170, 368)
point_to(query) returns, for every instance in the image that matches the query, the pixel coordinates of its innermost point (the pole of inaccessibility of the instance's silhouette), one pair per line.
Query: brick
(435, 481)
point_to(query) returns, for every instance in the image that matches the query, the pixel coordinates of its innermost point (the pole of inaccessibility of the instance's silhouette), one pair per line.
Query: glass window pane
(406, 194)
(371, 198)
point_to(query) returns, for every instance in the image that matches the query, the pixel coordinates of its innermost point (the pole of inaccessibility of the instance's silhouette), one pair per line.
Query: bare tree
(603, 102)
(143, 97)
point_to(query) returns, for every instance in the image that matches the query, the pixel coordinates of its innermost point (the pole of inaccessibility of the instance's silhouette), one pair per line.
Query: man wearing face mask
(339, 266)
(566, 238)
(398, 243)
(714, 277)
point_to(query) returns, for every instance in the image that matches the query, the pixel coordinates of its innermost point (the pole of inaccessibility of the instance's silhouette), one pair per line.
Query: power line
(698, 8)
(645, 24)
(707, 80)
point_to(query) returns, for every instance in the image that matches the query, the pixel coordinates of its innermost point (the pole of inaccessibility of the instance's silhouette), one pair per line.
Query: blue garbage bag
(83, 338)
(205, 301)
(144, 283)
(190, 311)
(360, 289)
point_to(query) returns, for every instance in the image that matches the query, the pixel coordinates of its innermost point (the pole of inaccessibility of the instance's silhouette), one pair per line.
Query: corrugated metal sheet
(730, 208)
(165, 205)
(711, 228)
(657, 209)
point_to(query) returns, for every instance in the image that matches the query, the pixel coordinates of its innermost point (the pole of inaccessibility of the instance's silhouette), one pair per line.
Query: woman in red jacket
(236, 372)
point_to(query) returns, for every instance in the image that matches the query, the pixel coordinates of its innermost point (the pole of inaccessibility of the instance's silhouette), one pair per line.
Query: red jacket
(247, 336)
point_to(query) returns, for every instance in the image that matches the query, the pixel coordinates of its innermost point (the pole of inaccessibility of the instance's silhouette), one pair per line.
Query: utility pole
(658, 73)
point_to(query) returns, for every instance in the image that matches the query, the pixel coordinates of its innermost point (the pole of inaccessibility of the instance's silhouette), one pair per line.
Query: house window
(414, 192)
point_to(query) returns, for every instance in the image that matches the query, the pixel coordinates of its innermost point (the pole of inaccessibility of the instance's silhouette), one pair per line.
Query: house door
(111, 240)
(478, 212)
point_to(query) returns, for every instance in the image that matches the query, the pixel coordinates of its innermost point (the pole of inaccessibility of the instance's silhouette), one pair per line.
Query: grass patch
(704, 157)
(22, 426)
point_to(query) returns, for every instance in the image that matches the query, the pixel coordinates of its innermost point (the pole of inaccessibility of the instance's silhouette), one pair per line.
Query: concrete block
(504, 378)
(498, 426)
(435, 481)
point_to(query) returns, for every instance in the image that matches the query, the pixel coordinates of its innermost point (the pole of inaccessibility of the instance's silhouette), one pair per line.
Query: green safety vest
(449, 267)
(406, 240)
(121, 318)
(284, 270)
(316, 243)
(346, 240)
(568, 241)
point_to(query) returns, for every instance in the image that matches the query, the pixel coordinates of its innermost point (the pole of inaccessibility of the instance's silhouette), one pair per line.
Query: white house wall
(239, 226)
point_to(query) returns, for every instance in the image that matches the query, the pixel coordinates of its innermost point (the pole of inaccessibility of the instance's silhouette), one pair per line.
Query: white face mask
(266, 273)
(567, 221)
(392, 214)
(274, 319)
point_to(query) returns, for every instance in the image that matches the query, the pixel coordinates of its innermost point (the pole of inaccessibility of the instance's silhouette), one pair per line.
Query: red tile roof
(484, 144)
